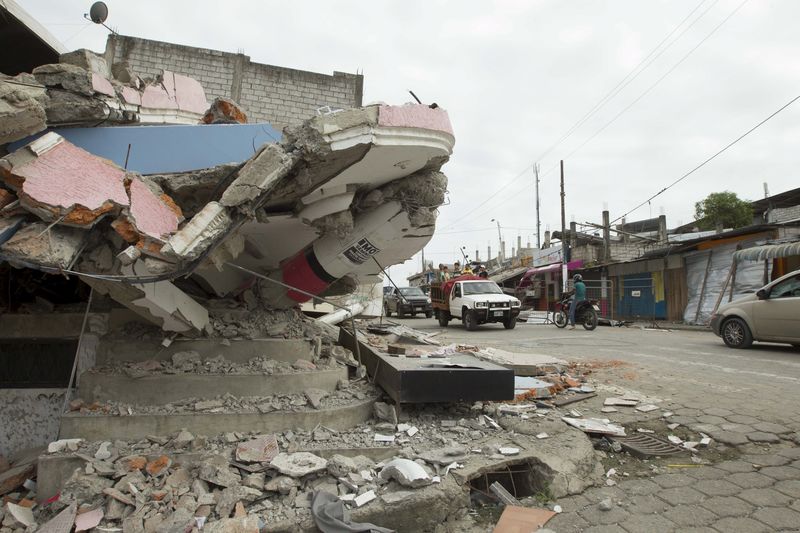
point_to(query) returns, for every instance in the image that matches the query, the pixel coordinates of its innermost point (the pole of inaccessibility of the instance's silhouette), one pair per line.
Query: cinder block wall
(278, 95)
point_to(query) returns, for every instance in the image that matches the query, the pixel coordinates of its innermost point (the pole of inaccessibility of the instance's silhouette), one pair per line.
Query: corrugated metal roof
(768, 251)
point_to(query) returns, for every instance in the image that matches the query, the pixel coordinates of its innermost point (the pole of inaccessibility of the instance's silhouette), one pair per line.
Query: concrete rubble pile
(414, 470)
(310, 211)
(383, 471)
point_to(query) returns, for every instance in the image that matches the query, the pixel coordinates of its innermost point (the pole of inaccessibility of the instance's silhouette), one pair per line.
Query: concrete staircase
(140, 401)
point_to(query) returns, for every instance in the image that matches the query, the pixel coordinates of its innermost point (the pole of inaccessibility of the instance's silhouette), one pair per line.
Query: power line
(630, 77)
(658, 81)
(701, 165)
(596, 108)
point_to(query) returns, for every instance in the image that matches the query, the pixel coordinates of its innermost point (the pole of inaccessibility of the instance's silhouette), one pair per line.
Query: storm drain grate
(643, 445)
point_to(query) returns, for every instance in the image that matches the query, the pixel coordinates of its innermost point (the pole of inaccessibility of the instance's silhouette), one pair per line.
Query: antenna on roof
(98, 14)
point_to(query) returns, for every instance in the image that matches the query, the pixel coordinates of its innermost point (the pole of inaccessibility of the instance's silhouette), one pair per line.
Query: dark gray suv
(406, 301)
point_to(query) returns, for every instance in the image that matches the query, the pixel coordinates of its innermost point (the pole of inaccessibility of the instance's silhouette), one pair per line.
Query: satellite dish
(98, 12)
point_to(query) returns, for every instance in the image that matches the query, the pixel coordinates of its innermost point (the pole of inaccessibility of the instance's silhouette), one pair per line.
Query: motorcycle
(585, 313)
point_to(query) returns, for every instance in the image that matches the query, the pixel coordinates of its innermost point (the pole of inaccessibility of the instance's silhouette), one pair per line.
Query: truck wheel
(470, 320)
(388, 313)
(510, 322)
(443, 317)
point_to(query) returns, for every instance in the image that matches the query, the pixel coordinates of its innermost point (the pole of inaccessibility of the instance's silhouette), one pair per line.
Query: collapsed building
(160, 374)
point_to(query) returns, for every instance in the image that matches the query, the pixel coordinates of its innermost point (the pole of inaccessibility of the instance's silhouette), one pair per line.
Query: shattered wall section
(56, 180)
(22, 107)
(294, 95)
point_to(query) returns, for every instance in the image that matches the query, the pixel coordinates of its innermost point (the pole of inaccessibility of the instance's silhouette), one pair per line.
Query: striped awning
(768, 251)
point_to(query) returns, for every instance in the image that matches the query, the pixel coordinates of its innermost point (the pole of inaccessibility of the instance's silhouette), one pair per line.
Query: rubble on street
(447, 453)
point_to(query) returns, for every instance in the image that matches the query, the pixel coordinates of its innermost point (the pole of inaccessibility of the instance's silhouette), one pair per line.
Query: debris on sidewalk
(595, 425)
(516, 519)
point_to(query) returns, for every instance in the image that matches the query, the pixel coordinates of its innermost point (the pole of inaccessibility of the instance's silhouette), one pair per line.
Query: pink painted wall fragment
(415, 116)
(66, 175)
(102, 85)
(156, 96)
(131, 96)
(190, 94)
(176, 92)
(150, 215)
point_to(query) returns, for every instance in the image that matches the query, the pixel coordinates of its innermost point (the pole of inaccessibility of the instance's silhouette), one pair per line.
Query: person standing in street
(579, 296)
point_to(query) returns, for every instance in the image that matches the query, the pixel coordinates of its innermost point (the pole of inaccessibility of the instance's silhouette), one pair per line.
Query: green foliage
(544, 495)
(723, 208)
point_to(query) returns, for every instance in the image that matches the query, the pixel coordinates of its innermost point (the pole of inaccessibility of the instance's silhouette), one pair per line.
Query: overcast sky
(516, 76)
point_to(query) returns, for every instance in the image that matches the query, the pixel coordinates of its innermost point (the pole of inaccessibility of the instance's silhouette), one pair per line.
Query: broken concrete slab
(65, 108)
(523, 364)
(38, 244)
(58, 181)
(258, 176)
(595, 425)
(21, 109)
(298, 464)
(161, 302)
(153, 216)
(87, 60)
(203, 230)
(261, 449)
(14, 477)
(66, 76)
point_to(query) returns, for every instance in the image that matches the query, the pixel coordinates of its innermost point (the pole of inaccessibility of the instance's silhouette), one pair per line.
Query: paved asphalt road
(747, 400)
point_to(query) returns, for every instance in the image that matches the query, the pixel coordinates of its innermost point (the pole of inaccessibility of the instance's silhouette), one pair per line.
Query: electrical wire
(704, 163)
(621, 85)
(630, 77)
(623, 111)
(657, 82)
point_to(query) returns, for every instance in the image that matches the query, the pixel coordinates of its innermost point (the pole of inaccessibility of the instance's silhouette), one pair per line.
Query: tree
(723, 208)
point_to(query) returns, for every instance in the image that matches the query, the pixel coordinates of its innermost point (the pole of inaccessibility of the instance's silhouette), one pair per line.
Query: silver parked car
(772, 314)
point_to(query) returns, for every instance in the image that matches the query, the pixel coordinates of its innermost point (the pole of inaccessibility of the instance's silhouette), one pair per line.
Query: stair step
(158, 389)
(239, 351)
(108, 427)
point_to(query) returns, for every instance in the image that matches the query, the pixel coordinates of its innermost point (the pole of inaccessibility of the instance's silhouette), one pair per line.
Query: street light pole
(500, 239)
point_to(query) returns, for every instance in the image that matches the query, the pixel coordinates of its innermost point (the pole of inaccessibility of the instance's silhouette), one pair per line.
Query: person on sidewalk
(579, 296)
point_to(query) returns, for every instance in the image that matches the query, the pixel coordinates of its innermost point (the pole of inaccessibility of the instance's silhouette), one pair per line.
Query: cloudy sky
(631, 94)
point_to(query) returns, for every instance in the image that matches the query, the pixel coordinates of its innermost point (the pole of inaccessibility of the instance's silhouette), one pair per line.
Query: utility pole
(423, 260)
(564, 241)
(536, 174)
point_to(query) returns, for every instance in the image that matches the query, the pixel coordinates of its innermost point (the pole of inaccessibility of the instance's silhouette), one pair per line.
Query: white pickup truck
(474, 302)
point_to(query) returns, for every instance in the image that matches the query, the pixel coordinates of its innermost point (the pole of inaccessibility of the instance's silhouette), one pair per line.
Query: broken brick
(157, 466)
(135, 462)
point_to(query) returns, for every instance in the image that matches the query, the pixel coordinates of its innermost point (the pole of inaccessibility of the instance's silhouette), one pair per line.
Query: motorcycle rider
(579, 296)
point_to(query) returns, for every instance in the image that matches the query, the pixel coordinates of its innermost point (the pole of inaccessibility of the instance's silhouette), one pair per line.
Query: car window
(482, 287)
(412, 291)
(786, 289)
(457, 290)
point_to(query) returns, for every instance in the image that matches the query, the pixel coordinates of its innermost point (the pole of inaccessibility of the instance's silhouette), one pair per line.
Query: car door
(777, 317)
(456, 300)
